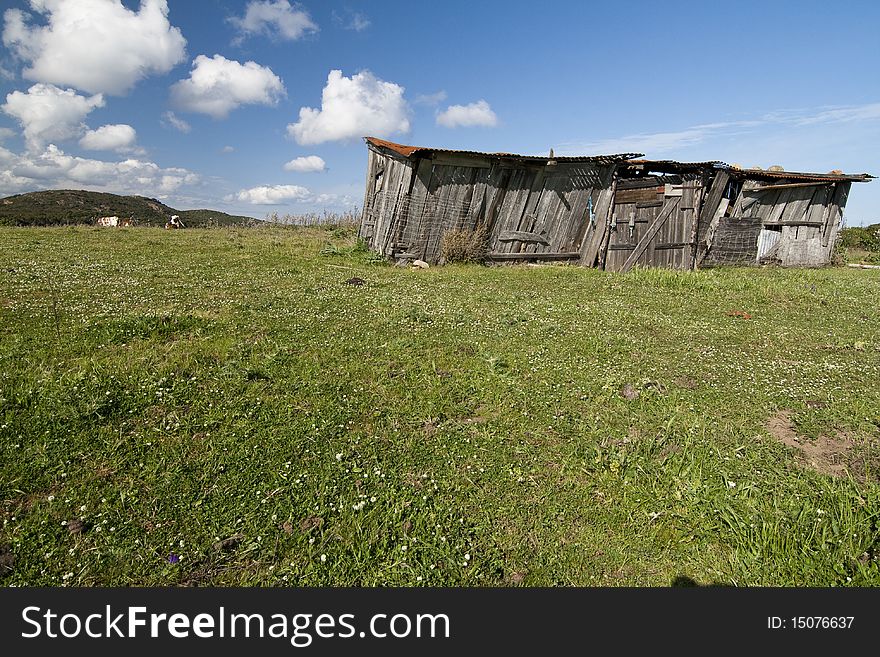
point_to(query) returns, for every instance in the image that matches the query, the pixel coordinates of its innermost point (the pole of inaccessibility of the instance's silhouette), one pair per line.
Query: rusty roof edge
(707, 163)
(423, 151)
(755, 173)
(797, 175)
(625, 158)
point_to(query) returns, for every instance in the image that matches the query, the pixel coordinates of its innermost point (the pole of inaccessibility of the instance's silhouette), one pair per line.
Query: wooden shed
(774, 217)
(531, 208)
(608, 211)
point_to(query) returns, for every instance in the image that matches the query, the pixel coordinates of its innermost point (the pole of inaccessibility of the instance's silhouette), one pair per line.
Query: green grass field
(219, 407)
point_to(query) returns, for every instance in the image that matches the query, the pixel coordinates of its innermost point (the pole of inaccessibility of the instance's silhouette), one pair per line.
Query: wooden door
(654, 225)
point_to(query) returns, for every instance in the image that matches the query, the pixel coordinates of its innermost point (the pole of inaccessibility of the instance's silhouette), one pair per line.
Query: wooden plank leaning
(709, 216)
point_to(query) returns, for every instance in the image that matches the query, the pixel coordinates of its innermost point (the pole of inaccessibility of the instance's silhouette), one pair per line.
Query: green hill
(193, 218)
(71, 206)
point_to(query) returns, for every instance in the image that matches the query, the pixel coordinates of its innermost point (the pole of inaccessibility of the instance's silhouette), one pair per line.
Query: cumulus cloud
(53, 168)
(171, 120)
(352, 107)
(114, 137)
(98, 46)
(474, 114)
(277, 19)
(306, 164)
(217, 85)
(271, 194)
(227, 149)
(47, 113)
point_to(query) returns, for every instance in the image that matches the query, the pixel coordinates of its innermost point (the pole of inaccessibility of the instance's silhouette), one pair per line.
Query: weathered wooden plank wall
(524, 208)
(804, 215)
(583, 212)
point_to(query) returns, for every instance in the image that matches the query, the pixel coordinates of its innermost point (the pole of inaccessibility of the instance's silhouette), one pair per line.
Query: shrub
(463, 245)
(866, 238)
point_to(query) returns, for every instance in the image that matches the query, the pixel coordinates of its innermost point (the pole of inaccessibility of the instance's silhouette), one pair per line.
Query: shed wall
(526, 210)
(579, 211)
(795, 225)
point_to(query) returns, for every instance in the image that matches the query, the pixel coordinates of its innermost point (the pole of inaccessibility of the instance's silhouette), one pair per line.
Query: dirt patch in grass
(24, 503)
(686, 382)
(828, 455)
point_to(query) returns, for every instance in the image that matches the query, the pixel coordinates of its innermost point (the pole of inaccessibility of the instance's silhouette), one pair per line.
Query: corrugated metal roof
(423, 151)
(763, 174)
(673, 166)
(663, 166)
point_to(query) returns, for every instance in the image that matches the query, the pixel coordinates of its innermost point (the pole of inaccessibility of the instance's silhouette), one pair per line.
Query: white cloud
(47, 113)
(53, 168)
(474, 114)
(306, 164)
(171, 120)
(666, 143)
(358, 22)
(277, 19)
(352, 107)
(351, 20)
(270, 194)
(655, 143)
(869, 112)
(6, 133)
(98, 46)
(432, 100)
(217, 85)
(227, 149)
(115, 137)
(338, 200)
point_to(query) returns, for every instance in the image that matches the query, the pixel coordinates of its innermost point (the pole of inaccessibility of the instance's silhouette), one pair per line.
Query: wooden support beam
(533, 256)
(672, 245)
(755, 190)
(794, 222)
(708, 214)
(651, 233)
(693, 238)
(522, 236)
(596, 241)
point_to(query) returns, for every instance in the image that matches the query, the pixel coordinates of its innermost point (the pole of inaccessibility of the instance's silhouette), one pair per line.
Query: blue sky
(258, 106)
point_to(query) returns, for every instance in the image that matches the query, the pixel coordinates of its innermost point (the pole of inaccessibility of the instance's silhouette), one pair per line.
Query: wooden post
(594, 241)
(708, 214)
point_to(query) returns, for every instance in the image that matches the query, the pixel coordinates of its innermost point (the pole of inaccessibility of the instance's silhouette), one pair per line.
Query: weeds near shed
(358, 250)
(464, 245)
(350, 219)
